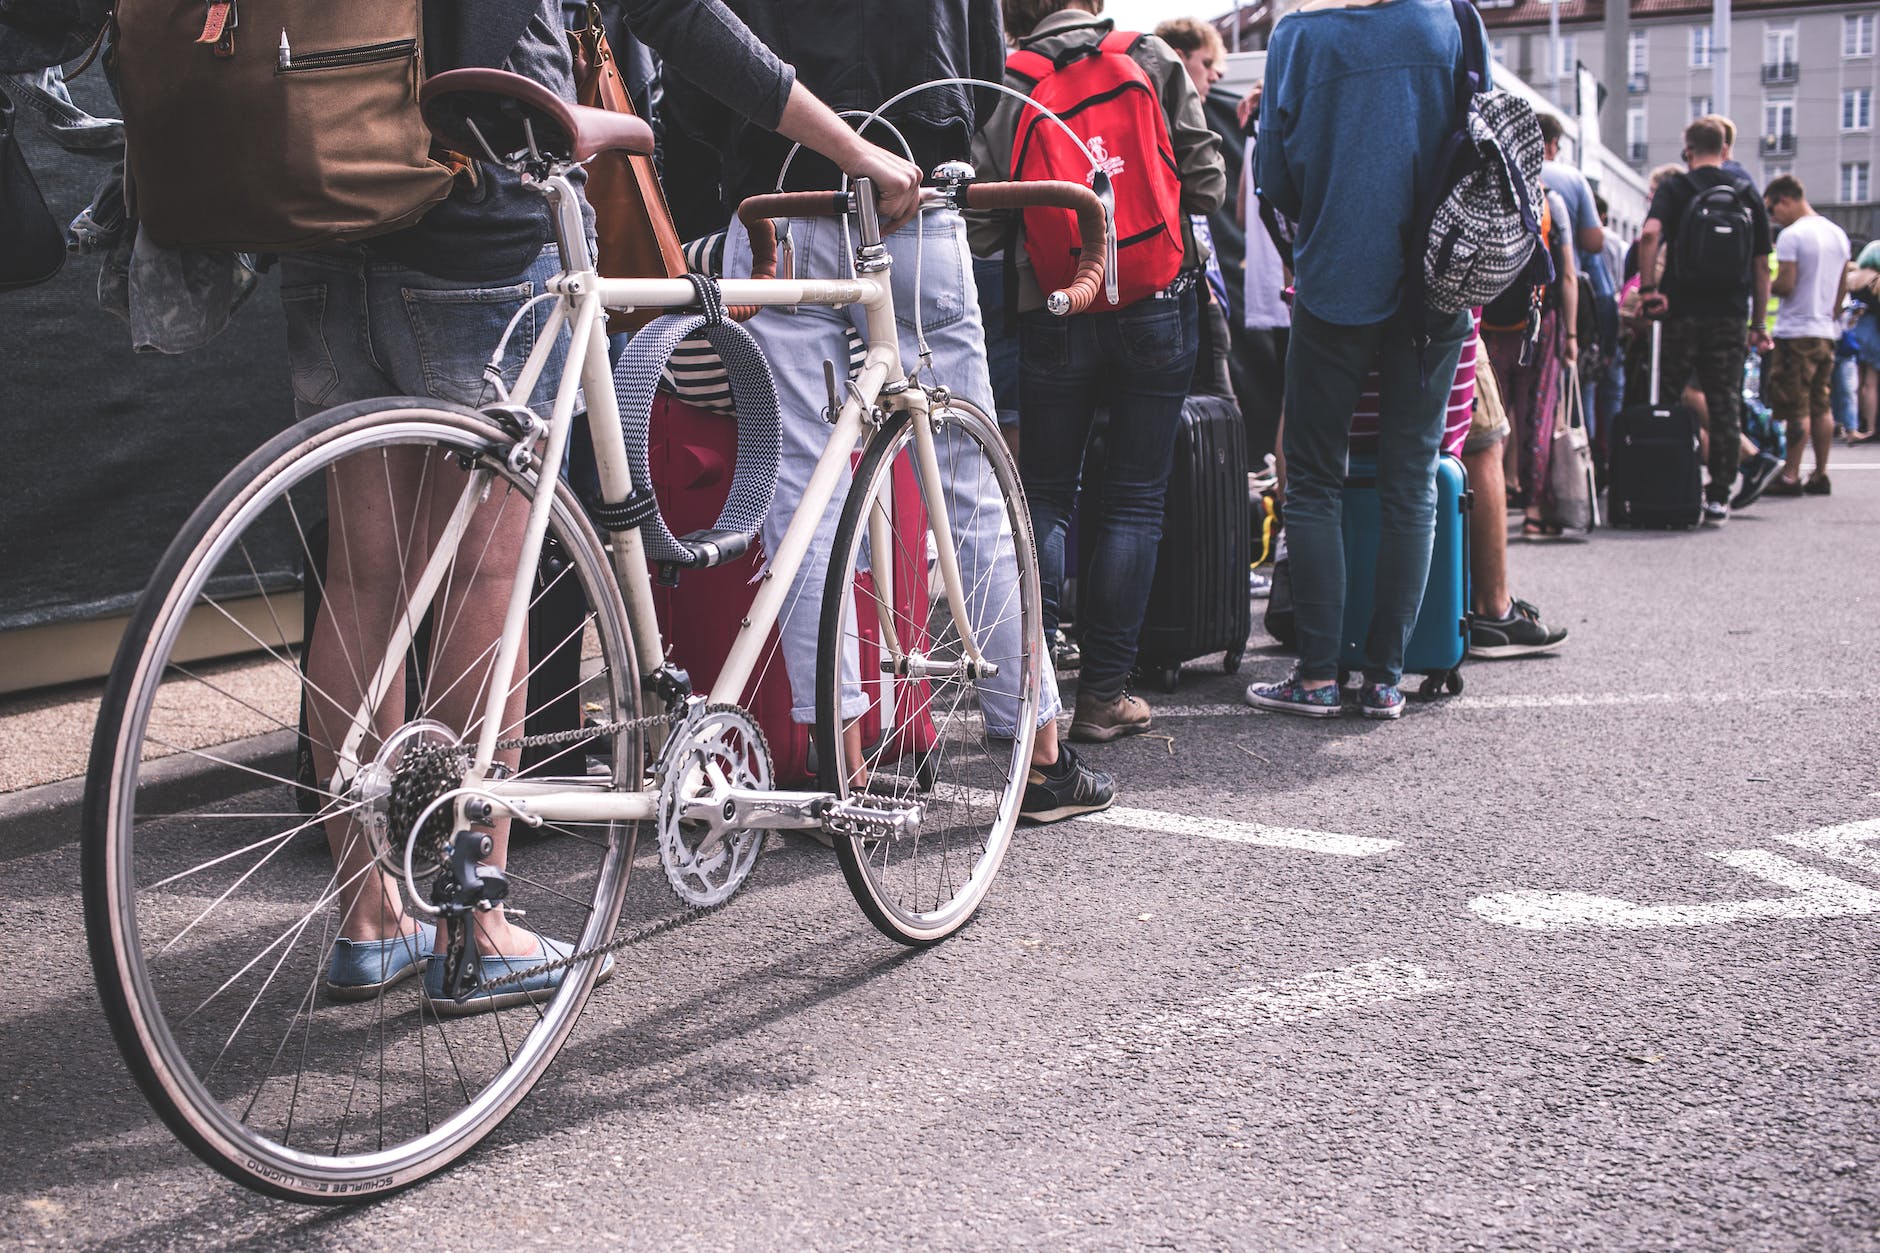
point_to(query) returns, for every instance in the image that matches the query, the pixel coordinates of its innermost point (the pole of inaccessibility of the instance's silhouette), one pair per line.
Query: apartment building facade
(1804, 82)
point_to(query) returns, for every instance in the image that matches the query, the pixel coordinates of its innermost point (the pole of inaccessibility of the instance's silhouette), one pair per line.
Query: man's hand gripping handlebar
(757, 212)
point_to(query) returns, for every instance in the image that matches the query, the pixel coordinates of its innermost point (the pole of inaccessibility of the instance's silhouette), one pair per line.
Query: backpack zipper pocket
(338, 58)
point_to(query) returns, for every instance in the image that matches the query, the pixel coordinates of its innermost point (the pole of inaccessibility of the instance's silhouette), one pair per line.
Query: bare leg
(1488, 531)
(385, 513)
(1823, 439)
(1869, 398)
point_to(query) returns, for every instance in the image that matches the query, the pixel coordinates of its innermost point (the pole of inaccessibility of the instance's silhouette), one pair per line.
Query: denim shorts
(360, 328)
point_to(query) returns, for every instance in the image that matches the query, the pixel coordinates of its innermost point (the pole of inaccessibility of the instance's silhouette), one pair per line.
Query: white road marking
(1241, 832)
(1248, 1009)
(1817, 895)
(1566, 700)
(1845, 843)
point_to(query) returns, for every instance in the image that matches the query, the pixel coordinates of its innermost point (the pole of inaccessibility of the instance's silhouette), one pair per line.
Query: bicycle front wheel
(944, 740)
(225, 853)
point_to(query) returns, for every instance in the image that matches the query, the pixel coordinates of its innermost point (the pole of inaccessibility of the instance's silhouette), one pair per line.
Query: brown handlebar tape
(1080, 293)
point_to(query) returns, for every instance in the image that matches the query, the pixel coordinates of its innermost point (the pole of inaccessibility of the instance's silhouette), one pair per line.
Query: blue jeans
(359, 328)
(797, 341)
(1001, 339)
(1137, 361)
(1325, 369)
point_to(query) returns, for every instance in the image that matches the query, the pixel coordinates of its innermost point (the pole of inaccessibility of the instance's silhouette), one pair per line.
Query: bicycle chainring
(715, 748)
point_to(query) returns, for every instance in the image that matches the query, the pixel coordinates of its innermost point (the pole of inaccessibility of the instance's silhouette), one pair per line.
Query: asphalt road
(1545, 966)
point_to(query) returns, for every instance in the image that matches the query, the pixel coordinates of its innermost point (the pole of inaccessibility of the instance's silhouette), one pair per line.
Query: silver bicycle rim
(457, 1063)
(921, 887)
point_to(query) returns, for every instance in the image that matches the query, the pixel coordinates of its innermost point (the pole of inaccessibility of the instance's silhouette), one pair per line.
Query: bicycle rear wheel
(937, 735)
(212, 900)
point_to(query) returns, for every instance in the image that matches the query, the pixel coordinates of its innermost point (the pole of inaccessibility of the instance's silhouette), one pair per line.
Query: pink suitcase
(692, 453)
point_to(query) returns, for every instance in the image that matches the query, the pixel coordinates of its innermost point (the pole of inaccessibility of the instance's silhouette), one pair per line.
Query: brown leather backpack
(274, 125)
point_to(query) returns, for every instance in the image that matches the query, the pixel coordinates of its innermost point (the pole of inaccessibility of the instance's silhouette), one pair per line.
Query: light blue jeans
(797, 342)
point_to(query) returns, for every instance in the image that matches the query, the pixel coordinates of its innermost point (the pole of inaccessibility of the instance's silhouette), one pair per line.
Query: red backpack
(1104, 96)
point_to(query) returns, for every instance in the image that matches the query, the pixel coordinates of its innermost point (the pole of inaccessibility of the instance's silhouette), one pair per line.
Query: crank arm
(747, 809)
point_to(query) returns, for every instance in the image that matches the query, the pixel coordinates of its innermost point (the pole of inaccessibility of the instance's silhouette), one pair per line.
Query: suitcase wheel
(1169, 677)
(1230, 664)
(1454, 683)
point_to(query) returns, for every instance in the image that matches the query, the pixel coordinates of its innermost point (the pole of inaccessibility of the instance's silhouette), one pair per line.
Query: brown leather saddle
(509, 118)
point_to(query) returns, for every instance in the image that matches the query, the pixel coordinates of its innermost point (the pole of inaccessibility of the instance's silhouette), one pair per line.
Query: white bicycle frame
(583, 298)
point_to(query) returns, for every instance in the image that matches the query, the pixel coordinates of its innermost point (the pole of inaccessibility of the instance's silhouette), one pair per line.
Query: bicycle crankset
(717, 748)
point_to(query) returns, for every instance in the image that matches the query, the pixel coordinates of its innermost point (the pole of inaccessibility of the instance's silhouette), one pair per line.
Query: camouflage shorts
(1800, 378)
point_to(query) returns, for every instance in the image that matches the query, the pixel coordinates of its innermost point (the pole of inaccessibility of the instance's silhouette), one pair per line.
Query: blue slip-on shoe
(537, 986)
(1290, 697)
(361, 969)
(1380, 700)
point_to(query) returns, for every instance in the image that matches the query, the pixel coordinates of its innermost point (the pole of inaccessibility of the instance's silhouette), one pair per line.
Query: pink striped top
(1455, 423)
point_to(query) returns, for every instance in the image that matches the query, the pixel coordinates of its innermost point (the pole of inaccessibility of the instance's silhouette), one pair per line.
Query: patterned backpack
(1480, 227)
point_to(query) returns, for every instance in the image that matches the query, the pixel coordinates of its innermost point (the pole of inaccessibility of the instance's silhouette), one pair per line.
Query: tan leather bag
(274, 127)
(637, 237)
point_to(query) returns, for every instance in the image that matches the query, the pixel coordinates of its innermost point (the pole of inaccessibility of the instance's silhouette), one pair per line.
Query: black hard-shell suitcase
(1654, 475)
(1199, 603)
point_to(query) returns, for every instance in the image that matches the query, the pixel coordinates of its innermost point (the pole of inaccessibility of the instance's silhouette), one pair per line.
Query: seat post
(570, 230)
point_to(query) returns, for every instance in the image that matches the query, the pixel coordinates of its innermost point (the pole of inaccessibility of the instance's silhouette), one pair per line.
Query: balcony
(1637, 152)
(1779, 73)
(1637, 84)
(1782, 145)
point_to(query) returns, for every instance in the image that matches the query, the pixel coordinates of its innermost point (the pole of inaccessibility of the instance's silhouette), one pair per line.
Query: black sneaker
(1065, 789)
(1520, 634)
(1756, 475)
(1817, 485)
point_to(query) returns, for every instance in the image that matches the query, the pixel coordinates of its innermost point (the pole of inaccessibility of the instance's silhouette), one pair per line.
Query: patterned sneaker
(1065, 789)
(1380, 700)
(1291, 698)
(1754, 477)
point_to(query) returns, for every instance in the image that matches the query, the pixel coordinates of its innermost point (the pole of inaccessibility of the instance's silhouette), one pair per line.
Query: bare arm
(1570, 305)
(1759, 320)
(1840, 294)
(1650, 237)
(1783, 285)
(1592, 239)
(811, 123)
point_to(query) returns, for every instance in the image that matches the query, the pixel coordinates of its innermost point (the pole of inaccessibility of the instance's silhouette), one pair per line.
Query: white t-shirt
(1265, 279)
(1819, 250)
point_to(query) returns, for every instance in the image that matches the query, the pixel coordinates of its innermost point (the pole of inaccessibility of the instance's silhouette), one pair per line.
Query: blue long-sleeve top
(1356, 106)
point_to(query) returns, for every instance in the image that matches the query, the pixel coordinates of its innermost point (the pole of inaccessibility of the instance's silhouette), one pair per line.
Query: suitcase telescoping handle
(1658, 340)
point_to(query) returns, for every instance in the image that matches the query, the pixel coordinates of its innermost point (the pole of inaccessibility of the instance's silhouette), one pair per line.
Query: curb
(39, 819)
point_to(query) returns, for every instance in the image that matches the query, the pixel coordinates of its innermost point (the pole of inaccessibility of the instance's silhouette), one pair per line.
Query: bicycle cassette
(716, 748)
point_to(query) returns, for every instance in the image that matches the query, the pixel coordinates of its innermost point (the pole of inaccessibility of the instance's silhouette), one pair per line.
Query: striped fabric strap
(636, 379)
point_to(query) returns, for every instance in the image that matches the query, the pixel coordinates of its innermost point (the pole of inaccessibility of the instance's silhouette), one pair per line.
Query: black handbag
(32, 246)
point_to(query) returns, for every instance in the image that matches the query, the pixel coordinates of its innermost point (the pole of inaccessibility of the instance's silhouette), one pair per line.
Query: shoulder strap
(1123, 41)
(1033, 67)
(1471, 73)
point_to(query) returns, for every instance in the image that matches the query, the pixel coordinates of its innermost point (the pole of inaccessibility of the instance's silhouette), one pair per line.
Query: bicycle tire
(920, 888)
(145, 868)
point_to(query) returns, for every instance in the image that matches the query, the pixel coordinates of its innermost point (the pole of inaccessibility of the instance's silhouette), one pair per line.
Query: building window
(1857, 109)
(1635, 133)
(1700, 47)
(1700, 105)
(1857, 35)
(1854, 182)
(1779, 117)
(1778, 44)
(1569, 61)
(1635, 59)
(1498, 50)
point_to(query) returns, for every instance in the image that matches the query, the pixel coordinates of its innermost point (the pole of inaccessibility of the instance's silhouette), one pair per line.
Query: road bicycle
(215, 878)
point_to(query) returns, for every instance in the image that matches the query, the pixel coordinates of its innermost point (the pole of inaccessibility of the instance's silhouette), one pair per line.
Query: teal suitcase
(1440, 639)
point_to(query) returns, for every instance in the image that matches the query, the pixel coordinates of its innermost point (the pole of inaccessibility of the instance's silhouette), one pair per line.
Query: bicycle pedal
(870, 817)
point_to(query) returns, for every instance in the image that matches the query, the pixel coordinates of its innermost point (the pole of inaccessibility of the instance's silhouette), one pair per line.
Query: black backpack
(1712, 252)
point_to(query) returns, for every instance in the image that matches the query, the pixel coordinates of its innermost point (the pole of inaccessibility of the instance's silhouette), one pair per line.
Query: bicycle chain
(544, 740)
